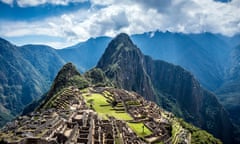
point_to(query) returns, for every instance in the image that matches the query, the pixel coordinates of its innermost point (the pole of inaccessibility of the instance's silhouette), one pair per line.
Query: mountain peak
(66, 75)
(121, 41)
(123, 63)
(4, 44)
(67, 71)
(122, 37)
(120, 49)
(3, 40)
(69, 66)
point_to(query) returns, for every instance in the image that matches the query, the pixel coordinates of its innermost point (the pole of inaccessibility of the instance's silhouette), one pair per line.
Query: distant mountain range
(86, 54)
(27, 71)
(206, 55)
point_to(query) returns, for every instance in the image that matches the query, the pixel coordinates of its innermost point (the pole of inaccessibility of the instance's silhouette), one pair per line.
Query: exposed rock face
(185, 97)
(170, 86)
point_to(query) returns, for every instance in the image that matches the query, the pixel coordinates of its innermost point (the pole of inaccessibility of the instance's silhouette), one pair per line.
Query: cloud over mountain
(110, 17)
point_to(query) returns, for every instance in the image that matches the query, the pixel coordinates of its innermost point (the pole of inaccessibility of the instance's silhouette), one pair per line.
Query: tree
(143, 128)
(114, 103)
(91, 103)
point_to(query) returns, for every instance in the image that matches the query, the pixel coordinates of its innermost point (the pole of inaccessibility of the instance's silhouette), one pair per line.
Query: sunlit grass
(101, 105)
(138, 129)
(103, 108)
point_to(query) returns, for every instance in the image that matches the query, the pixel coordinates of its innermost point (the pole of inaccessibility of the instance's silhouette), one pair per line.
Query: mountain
(25, 74)
(122, 63)
(67, 76)
(85, 54)
(44, 58)
(195, 52)
(74, 113)
(229, 92)
(171, 86)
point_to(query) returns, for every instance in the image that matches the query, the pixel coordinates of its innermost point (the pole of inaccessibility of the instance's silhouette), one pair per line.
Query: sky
(63, 23)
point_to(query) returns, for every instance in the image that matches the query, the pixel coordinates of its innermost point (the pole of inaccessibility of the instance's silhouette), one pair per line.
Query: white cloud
(102, 2)
(7, 1)
(28, 3)
(54, 44)
(132, 17)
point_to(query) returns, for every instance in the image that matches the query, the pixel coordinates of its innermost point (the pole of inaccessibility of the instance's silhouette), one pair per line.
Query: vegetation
(78, 81)
(51, 101)
(97, 77)
(104, 107)
(176, 129)
(26, 72)
(67, 76)
(140, 129)
(4, 117)
(199, 136)
(101, 105)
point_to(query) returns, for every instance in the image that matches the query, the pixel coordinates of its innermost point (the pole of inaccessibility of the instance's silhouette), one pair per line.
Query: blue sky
(30, 13)
(62, 23)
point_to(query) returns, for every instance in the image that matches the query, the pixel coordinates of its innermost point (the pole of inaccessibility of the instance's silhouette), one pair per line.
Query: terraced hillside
(100, 115)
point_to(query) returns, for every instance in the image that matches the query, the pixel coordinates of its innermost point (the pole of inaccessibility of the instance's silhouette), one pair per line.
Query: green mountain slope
(229, 92)
(86, 54)
(45, 59)
(25, 74)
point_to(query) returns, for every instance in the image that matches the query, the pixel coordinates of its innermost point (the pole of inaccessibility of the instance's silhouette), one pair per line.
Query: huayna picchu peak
(122, 39)
(99, 115)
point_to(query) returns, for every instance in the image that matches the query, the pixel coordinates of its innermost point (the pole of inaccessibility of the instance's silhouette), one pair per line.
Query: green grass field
(103, 108)
(138, 129)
